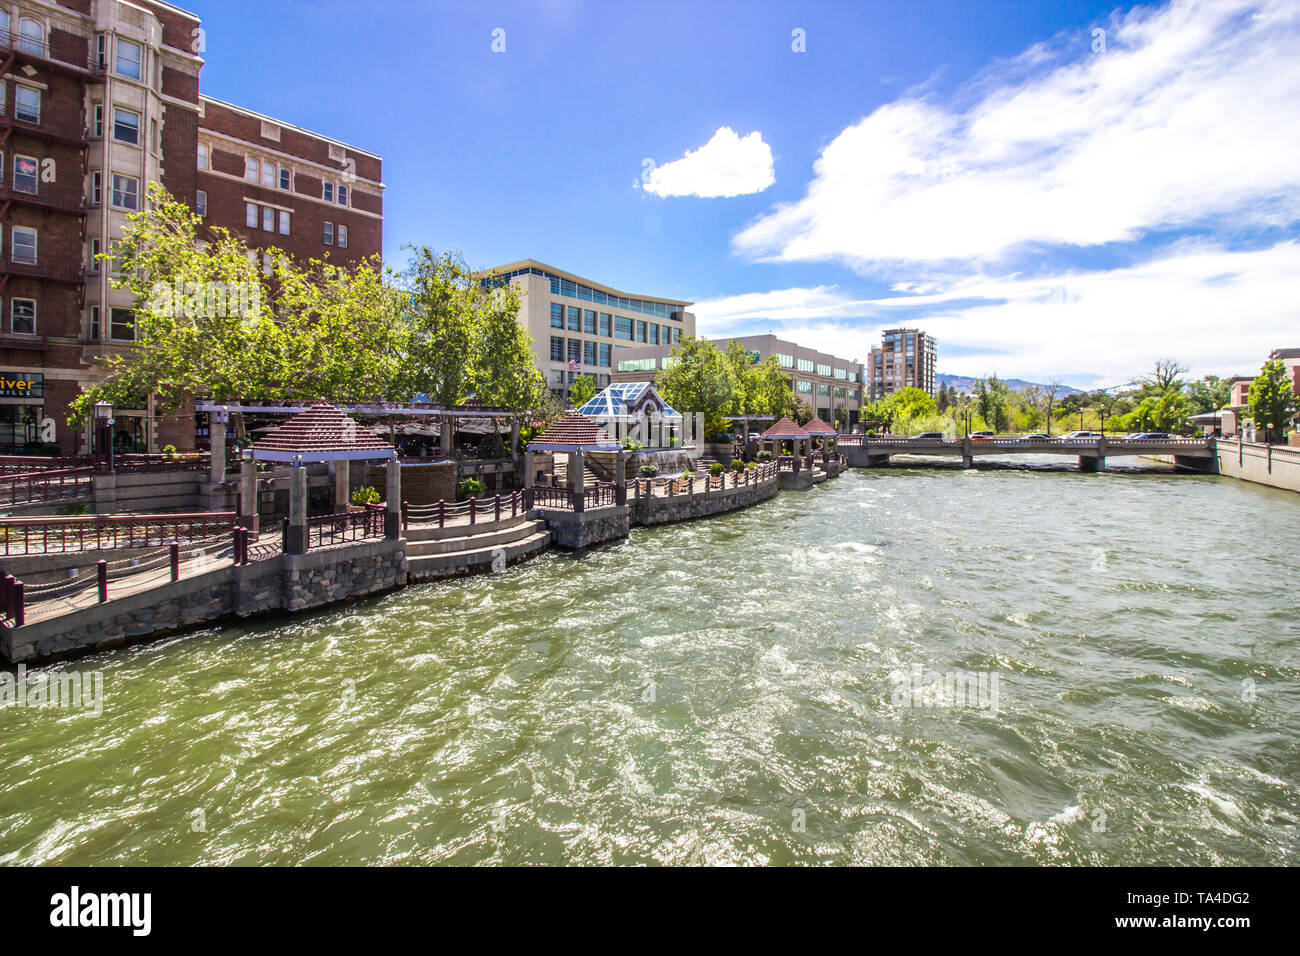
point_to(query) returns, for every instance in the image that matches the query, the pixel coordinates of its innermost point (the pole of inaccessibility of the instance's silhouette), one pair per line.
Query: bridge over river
(1193, 454)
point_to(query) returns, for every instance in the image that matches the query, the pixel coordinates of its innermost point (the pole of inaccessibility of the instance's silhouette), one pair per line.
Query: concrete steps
(480, 557)
(423, 532)
(463, 541)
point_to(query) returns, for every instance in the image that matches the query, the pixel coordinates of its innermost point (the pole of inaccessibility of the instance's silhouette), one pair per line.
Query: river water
(923, 666)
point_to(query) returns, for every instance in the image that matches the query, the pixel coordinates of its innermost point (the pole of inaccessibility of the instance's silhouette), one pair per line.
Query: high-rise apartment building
(580, 327)
(98, 98)
(905, 359)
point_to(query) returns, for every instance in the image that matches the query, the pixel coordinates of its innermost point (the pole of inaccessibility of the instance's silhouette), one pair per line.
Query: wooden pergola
(787, 430)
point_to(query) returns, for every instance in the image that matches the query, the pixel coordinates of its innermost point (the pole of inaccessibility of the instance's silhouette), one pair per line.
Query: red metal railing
(324, 530)
(494, 508)
(104, 532)
(41, 486)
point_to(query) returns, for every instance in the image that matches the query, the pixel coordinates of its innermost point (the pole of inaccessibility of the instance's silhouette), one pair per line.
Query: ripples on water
(688, 695)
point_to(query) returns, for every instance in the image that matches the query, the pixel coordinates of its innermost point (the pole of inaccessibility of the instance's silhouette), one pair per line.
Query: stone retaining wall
(663, 510)
(581, 529)
(1275, 465)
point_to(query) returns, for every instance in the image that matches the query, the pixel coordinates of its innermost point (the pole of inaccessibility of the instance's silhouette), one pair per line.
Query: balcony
(28, 49)
(8, 194)
(72, 273)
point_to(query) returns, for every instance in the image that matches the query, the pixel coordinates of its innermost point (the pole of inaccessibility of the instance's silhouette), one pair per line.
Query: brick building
(100, 98)
(904, 359)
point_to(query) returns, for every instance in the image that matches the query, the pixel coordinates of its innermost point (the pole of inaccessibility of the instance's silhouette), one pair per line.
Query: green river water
(730, 691)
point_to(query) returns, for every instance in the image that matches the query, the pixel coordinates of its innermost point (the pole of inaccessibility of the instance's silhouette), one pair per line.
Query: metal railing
(42, 486)
(494, 508)
(109, 532)
(325, 530)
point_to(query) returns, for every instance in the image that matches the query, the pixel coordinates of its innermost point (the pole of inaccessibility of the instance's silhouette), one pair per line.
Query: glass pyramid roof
(615, 401)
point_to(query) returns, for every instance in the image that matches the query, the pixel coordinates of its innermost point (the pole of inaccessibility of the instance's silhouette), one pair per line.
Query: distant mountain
(964, 383)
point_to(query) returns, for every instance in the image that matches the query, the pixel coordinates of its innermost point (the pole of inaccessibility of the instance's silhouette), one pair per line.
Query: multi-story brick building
(100, 98)
(905, 359)
(580, 327)
(824, 381)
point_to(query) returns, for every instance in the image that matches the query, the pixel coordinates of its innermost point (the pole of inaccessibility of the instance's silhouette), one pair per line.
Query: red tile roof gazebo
(574, 432)
(322, 433)
(816, 426)
(785, 429)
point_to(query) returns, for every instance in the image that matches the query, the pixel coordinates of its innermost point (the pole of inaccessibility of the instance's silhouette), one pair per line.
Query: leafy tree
(582, 390)
(700, 379)
(1208, 394)
(1272, 399)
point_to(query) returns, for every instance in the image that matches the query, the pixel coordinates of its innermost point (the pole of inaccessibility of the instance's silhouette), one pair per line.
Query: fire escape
(67, 55)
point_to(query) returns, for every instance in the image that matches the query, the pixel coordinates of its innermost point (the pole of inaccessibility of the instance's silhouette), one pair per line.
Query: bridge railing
(36, 487)
(105, 532)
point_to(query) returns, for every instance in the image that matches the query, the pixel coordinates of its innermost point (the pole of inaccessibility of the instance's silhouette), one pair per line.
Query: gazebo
(320, 434)
(786, 430)
(819, 429)
(623, 405)
(575, 434)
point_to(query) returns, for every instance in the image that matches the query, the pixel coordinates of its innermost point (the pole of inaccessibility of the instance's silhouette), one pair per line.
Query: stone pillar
(342, 485)
(514, 446)
(297, 543)
(620, 477)
(530, 468)
(217, 434)
(248, 495)
(576, 469)
(444, 435)
(967, 459)
(393, 501)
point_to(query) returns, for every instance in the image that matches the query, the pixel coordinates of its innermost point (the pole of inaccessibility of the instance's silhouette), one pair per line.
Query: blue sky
(1047, 200)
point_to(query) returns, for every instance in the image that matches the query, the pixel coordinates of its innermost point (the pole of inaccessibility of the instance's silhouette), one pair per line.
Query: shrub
(647, 471)
(366, 496)
(765, 455)
(169, 451)
(716, 469)
(687, 475)
(753, 466)
(737, 465)
(470, 488)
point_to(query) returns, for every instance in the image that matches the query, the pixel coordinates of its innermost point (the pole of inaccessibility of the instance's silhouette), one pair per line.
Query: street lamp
(104, 422)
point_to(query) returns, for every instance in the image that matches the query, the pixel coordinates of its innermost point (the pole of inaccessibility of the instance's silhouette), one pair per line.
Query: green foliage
(366, 496)
(716, 469)
(737, 465)
(470, 488)
(764, 455)
(1208, 394)
(1272, 398)
(582, 390)
(648, 471)
(169, 451)
(700, 379)
(753, 465)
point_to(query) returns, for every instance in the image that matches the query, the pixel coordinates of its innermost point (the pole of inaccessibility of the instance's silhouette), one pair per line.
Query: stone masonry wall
(650, 511)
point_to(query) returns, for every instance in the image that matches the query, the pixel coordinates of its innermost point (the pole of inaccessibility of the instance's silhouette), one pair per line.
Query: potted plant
(684, 481)
(365, 496)
(737, 465)
(647, 471)
(716, 469)
(470, 488)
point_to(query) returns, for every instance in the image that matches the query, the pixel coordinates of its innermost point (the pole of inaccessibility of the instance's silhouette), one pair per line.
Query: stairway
(589, 477)
(447, 552)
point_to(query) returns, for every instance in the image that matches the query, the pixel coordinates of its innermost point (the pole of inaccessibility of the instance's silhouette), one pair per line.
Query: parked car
(1081, 436)
(982, 436)
(930, 436)
(1148, 436)
(1034, 436)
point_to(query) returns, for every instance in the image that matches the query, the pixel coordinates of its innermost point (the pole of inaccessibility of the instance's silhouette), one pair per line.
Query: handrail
(109, 532)
(40, 486)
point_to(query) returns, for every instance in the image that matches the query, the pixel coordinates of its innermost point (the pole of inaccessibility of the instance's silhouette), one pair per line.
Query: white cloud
(727, 165)
(1190, 114)
(1218, 311)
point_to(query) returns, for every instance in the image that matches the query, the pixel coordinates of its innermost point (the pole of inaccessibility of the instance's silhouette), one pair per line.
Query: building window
(252, 169)
(575, 350)
(126, 126)
(640, 330)
(588, 353)
(654, 334)
(604, 354)
(787, 361)
(343, 195)
(268, 219)
(284, 222)
(101, 48)
(250, 215)
(24, 245)
(121, 324)
(27, 104)
(203, 156)
(343, 236)
(96, 181)
(329, 233)
(126, 192)
(557, 315)
(589, 322)
(286, 180)
(623, 328)
(327, 191)
(824, 370)
(153, 135)
(201, 203)
(31, 36)
(606, 324)
(22, 313)
(557, 349)
(575, 319)
(805, 365)
(94, 323)
(803, 388)
(268, 175)
(25, 175)
(94, 255)
(98, 122)
(677, 336)
(130, 59)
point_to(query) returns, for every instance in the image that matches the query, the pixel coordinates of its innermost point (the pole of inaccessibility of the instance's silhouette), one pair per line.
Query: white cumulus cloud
(727, 165)
(1191, 116)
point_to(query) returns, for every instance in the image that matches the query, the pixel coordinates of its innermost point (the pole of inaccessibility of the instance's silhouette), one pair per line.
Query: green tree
(699, 379)
(1208, 394)
(1272, 399)
(582, 390)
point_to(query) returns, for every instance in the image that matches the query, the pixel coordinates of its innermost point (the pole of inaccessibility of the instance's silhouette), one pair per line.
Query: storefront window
(20, 428)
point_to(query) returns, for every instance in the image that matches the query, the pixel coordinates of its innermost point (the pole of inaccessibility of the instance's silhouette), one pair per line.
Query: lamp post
(104, 424)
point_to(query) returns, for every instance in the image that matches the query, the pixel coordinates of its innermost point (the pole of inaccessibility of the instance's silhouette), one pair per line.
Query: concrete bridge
(1193, 454)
